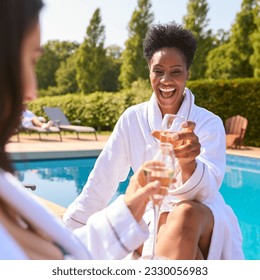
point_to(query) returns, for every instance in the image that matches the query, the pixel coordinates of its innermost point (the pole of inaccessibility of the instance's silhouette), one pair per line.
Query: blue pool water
(62, 180)
(241, 190)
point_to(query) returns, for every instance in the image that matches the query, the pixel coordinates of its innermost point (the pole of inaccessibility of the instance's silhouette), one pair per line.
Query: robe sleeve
(204, 184)
(111, 167)
(113, 232)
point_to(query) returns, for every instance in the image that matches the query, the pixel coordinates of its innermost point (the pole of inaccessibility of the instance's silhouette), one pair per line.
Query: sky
(69, 19)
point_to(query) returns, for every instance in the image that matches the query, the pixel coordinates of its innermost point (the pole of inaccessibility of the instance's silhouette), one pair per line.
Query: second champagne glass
(161, 169)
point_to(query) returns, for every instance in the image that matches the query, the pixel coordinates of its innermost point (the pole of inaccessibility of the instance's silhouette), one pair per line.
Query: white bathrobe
(110, 234)
(125, 150)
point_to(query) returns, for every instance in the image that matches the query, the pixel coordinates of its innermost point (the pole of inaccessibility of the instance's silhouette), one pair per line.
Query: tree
(91, 56)
(111, 69)
(242, 29)
(66, 75)
(196, 20)
(255, 57)
(220, 38)
(234, 56)
(54, 52)
(134, 65)
(219, 62)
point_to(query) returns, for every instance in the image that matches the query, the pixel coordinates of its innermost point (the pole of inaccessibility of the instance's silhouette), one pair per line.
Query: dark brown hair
(17, 17)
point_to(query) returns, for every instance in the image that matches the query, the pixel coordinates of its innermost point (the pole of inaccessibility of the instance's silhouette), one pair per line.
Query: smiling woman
(169, 50)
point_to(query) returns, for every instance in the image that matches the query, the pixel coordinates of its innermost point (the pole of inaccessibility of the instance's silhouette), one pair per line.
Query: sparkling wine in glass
(161, 168)
(171, 124)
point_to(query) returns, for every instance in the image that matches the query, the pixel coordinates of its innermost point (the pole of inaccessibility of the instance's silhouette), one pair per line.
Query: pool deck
(30, 147)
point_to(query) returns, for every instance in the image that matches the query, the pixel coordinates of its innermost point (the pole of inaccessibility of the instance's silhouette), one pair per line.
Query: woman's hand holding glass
(185, 142)
(161, 170)
(182, 137)
(139, 191)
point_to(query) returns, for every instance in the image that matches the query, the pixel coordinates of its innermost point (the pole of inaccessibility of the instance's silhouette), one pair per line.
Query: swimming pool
(62, 180)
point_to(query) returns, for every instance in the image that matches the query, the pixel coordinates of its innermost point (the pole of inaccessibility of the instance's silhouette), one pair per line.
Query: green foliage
(140, 91)
(134, 65)
(255, 58)
(219, 62)
(101, 110)
(232, 59)
(67, 67)
(54, 52)
(221, 37)
(196, 20)
(111, 69)
(227, 98)
(97, 68)
(51, 91)
(91, 56)
(241, 31)
(66, 75)
(96, 30)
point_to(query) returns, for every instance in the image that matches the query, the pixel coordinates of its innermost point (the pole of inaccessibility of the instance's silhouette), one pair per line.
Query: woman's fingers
(188, 150)
(156, 134)
(185, 142)
(136, 198)
(189, 126)
(149, 189)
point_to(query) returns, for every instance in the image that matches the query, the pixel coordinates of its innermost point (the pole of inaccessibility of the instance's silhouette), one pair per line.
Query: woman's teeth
(167, 92)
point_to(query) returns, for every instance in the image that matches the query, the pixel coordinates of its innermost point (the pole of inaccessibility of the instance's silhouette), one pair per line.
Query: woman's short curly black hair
(169, 35)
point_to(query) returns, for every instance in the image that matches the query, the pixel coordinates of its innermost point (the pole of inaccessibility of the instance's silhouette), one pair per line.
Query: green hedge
(227, 98)
(223, 97)
(100, 110)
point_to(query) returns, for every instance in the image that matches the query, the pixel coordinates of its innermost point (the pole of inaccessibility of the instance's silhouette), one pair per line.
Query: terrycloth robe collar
(155, 114)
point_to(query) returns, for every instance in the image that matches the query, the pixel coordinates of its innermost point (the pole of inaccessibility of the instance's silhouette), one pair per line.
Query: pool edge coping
(23, 156)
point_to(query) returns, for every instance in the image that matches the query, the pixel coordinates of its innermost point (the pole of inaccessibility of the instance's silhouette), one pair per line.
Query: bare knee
(188, 228)
(188, 213)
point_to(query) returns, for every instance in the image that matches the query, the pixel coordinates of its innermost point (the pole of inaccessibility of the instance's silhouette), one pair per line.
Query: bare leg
(39, 123)
(185, 233)
(36, 122)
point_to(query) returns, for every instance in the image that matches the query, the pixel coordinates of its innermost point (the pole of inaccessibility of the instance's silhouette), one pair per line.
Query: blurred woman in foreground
(27, 229)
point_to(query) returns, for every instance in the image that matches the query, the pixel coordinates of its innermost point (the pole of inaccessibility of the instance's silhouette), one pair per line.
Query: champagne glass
(171, 124)
(161, 168)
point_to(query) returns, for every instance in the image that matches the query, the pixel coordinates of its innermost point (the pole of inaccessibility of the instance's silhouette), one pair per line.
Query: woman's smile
(167, 92)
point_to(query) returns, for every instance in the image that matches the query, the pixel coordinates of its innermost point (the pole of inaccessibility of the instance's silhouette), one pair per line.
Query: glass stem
(156, 209)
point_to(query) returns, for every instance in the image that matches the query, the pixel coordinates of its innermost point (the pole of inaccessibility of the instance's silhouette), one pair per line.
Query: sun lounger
(61, 121)
(40, 130)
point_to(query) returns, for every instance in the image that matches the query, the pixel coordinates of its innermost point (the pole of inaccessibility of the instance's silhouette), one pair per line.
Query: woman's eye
(157, 71)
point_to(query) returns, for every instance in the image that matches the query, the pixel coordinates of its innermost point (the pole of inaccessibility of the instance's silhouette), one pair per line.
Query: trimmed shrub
(228, 98)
